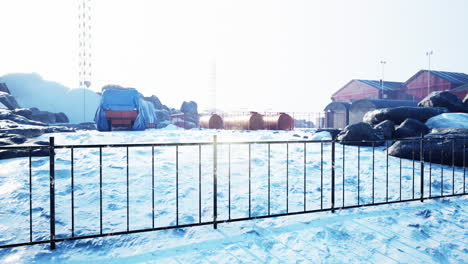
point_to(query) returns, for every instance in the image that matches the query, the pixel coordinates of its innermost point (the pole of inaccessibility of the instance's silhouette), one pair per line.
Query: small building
(417, 86)
(359, 108)
(337, 114)
(367, 89)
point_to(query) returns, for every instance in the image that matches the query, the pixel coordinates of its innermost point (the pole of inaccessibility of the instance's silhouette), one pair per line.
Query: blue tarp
(124, 99)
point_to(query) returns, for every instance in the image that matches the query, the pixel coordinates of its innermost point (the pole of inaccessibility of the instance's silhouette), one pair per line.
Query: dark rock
(18, 119)
(400, 114)
(28, 131)
(465, 101)
(156, 102)
(4, 88)
(19, 153)
(17, 139)
(41, 143)
(438, 148)
(360, 134)
(44, 117)
(8, 100)
(24, 112)
(162, 115)
(444, 99)
(61, 118)
(189, 107)
(333, 131)
(386, 128)
(411, 128)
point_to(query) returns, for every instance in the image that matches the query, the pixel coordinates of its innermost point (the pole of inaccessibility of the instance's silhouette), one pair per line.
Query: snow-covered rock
(30, 90)
(8, 101)
(448, 120)
(323, 135)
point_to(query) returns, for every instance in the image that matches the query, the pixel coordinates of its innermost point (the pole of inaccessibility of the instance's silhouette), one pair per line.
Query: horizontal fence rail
(231, 181)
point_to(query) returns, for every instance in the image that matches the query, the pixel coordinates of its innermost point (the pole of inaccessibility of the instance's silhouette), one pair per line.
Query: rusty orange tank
(281, 121)
(250, 121)
(212, 121)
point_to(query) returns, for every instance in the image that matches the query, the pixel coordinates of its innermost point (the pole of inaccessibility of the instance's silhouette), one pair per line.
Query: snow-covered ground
(429, 232)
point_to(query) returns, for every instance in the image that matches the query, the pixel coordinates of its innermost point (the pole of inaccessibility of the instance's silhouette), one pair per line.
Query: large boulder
(386, 129)
(43, 116)
(411, 128)
(17, 119)
(360, 134)
(8, 100)
(448, 120)
(189, 107)
(61, 118)
(445, 147)
(155, 101)
(444, 99)
(400, 114)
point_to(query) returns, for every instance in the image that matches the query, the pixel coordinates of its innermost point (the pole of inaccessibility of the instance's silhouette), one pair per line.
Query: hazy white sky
(286, 55)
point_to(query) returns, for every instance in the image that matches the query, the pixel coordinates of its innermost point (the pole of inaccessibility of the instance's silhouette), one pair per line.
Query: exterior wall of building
(417, 87)
(356, 90)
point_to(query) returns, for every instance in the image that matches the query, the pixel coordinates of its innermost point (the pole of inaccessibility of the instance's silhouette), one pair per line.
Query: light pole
(382, 62)
(428, 54)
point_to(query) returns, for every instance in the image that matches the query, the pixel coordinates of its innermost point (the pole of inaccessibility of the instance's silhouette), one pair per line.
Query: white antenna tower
(84, 48)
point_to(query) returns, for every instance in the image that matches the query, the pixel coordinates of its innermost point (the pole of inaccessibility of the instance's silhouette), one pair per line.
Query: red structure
(121, 118)
(415, 88)
(417, 85)
(367, 89)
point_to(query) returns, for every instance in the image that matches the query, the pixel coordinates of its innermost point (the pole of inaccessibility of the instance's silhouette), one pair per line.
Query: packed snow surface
(448, 120)
(413, 232)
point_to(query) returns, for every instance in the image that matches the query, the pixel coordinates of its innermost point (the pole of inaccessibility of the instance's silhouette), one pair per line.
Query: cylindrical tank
(212, 121)
(251, 121)
(281, 121)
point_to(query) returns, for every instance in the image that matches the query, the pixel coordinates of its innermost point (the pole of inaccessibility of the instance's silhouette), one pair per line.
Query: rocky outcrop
(190, 118)
(411, 128)
(61, 118)
(333, 131)
(15, 119)
(444, 99)
(400, 114)
(360, 134)
(386, 129)
(9, 101)
(42, 116)
(444, 146)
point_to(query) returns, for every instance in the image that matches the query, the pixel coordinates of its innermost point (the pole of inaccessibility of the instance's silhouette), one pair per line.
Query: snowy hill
(31, 90)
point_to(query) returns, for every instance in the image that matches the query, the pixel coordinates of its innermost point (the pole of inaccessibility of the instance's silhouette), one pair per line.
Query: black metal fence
(318, 176)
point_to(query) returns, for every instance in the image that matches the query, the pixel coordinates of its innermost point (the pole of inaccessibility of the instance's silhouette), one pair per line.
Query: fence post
(215, 181)
(421, 156)
(52, 190)
(333, 176)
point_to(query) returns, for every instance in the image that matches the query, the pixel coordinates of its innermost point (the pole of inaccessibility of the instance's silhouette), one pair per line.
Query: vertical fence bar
(229, 181)
(358, 174)
(152, 185)
(305, 176)
(72, 191)
(250, 180)
(333, 176)
(321, 175)
(430, 167)
(464, 165)
(100, 190)
(30, 195)
(128, 194)
(177, 185)
(421, 155)
(269, 176)
(215, 181)
(287, 178)
(400, 176)
(386, 171)
(373, 172)
(344, 163)
(199, 183)
(442, 171)
(52, 190)
(453, 166)
(413, 166)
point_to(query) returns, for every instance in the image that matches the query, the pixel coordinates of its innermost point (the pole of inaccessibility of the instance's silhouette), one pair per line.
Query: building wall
(418, 86)
(356, 90)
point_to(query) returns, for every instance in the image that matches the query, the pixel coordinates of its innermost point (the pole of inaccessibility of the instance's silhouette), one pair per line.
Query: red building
(417, 86)
(367, 89)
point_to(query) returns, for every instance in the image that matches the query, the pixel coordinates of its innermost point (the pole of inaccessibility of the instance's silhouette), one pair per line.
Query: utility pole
(382, 62)
(428, 54)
